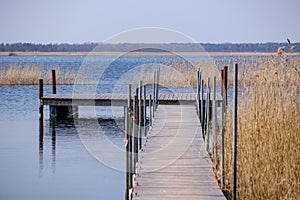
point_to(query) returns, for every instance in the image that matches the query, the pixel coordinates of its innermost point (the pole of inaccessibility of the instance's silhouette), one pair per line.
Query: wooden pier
(182, 168)
(172, 153)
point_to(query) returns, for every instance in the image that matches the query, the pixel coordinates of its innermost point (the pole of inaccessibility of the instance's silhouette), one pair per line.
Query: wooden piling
(234, 130)
(53, 81)
(41, 123)
(41, 105)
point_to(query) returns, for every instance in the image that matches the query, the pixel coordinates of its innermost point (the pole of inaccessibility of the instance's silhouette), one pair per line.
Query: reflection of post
(53, 150)
(41, 127)
(41, 147)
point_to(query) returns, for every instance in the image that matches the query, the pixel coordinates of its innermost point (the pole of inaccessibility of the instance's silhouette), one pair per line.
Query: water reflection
(64, 132)
(41, 147)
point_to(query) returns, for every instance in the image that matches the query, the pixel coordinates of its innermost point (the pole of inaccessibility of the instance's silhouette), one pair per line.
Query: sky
(206, 21)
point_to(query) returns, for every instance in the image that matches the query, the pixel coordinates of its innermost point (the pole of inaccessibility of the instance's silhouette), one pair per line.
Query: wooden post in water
(234, 130)
(41, 119)
(53, 81)
(41, 104)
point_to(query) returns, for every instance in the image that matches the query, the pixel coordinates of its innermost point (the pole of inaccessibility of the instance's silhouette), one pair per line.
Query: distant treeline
(125, 47)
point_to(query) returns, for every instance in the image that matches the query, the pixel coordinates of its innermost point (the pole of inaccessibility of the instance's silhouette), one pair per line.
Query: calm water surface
(58, 168)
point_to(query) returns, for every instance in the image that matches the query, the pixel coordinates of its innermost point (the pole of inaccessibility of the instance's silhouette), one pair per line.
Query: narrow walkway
(173, 163)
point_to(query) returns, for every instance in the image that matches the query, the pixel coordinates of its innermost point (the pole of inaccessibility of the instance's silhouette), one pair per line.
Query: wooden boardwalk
(173, 163)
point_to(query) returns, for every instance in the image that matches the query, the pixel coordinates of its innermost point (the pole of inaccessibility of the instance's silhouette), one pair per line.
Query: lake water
(58, 166)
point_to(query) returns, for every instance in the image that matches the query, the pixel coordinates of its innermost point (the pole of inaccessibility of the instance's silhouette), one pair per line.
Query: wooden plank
(173, 163)
(116, 99)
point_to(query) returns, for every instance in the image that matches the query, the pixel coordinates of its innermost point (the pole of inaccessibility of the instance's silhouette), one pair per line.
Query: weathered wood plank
(114, 99)
(173, 163)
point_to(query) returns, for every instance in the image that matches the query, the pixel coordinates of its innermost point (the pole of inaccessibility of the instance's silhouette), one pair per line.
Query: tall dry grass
(174, 73)
(268, 151)
(30, 74)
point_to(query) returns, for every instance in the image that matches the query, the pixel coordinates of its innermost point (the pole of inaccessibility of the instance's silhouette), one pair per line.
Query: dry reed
(268, 162)
(174, 73)
(30, 74)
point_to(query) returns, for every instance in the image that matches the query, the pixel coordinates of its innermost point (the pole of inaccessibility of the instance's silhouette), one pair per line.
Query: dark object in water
(12, 54)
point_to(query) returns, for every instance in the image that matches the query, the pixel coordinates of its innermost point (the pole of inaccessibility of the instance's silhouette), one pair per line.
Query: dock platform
(173, 163)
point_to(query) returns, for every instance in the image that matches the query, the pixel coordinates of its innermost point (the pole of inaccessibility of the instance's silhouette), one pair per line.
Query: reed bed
(174, 73)
(268, 153)
(30, 74)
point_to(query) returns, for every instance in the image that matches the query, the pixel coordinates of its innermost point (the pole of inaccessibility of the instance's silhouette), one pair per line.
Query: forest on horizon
(125, 47)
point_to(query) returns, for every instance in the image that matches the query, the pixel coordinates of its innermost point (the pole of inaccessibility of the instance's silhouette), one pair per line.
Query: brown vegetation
(268, 163)
(30, 74)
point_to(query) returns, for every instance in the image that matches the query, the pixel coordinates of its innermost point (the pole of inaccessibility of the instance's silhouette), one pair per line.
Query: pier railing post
(202, 107)
(154, 94)
(144, 110)
(225, 83)
(222, 143)
(214, 123)
(157, 87)
(129, 154)
(140, 114)
(150, 110)
(207, 135)
(234, 130)
(135, 129)
(126, 139)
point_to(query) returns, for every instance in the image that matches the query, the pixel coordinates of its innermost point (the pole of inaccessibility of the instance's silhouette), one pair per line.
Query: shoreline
(213, 54)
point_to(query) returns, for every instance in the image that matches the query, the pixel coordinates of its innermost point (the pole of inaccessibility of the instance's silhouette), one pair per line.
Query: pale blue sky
(215, 21)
